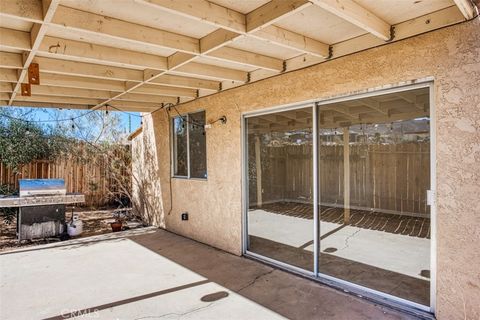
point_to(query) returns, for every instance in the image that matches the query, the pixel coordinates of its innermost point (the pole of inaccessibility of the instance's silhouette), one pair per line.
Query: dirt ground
(95, 222)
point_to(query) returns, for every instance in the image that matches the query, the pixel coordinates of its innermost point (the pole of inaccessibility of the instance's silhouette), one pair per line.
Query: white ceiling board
(225, 64)
(395, 12)
(321, 25)
(131, 11)
(263, 47)
(242, 6)
(60, 32)
(16, 24)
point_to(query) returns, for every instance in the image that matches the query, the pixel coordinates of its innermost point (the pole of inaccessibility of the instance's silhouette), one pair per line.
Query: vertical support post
(258, 166)
(346, 175)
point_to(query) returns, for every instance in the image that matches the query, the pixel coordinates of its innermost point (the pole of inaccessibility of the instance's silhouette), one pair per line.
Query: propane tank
(75, 227)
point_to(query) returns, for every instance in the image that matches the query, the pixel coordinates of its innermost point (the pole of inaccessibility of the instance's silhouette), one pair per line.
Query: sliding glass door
(374, 173)
(280, 188)
(366, 163)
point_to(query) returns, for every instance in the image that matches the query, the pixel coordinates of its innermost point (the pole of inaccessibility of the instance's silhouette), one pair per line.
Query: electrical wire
(46, 121)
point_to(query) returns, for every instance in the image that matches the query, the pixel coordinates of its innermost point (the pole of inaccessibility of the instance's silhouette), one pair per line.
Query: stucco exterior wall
(450, 56)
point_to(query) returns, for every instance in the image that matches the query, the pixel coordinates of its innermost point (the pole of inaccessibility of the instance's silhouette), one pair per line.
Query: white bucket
(75, 227)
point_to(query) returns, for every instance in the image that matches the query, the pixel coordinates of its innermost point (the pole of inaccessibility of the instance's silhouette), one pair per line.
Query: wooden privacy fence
(91, 177)
(387, 177)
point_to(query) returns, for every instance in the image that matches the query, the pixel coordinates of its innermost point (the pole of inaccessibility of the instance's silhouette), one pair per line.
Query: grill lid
(41, 187)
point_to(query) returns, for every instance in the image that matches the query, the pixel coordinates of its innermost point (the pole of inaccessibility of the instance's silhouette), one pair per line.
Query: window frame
(172, 147)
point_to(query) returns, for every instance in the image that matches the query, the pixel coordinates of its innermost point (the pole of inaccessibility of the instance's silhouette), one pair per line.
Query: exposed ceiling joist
(292, 40)
(56, 99)
(30, 11)
(467, 8)
(213, 72)
(203, 11)
(261, 18)
(6, 87)
(157, 99)
(123, 105)
(9, 75)
(352, 12)
(166, 91)
(88, 52)
(14, 39)
(87, 22)
(119, 67)
(248, 58)
(70, 92)
(273, 11)
(186, 82)
(48, 8)
(82, 69)
(68, 81)
(11, 60)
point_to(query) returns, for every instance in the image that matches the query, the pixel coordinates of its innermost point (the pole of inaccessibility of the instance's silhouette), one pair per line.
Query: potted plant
(118, 223)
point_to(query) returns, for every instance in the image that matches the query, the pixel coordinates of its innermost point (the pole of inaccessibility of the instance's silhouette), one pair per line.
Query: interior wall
(450, 56)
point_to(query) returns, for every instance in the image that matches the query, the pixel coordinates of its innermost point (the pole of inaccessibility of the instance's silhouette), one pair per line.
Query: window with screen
(189, 150)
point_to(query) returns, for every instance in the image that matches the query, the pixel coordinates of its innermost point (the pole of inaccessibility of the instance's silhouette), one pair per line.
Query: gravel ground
(95, 222)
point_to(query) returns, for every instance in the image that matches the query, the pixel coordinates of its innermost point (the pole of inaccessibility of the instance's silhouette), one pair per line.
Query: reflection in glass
(280, 216)
(374, 171)
(198, 145)
(180, 145)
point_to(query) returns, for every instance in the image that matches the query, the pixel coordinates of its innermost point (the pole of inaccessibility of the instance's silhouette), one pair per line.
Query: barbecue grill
(41, 204)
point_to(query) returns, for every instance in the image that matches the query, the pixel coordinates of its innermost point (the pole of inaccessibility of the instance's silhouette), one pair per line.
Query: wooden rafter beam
(467, 8)
(14, 39)
(86, 22)
(29, 10)
(203, 11)
(273, 11)
(88, 52)
(122, 105)
(11, 60)
(6, 87)
(151, 89)
(352, 12)
(260, 19)
(156, 99)
(186, 82)
(9, 75)
(43, 90)
(82, 69)
(57, 99)
(37, 33)
(247, 58)
(213, 72)
(68, 81)
(292, 40)
(187, 48)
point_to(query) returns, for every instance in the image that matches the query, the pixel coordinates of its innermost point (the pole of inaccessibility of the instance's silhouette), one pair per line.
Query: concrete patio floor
(154, 274)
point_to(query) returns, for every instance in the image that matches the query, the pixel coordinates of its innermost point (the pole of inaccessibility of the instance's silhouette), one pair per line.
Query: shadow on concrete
(289, 295)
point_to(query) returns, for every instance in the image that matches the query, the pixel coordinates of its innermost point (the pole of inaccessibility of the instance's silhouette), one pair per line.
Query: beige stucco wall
(451, 56)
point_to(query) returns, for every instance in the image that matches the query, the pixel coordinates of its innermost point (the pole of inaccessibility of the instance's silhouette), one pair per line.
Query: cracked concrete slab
(160, 275)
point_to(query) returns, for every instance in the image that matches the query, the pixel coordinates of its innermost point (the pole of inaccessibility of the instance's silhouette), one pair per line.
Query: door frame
(344, 285)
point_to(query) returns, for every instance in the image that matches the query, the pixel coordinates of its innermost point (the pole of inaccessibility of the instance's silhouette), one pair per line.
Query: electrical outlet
(185, 216)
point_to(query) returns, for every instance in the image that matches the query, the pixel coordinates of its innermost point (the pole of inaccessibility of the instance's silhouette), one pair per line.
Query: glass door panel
(280, 186)
(374, 172)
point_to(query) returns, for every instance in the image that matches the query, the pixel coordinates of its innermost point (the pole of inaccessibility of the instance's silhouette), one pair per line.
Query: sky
(130, 121)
